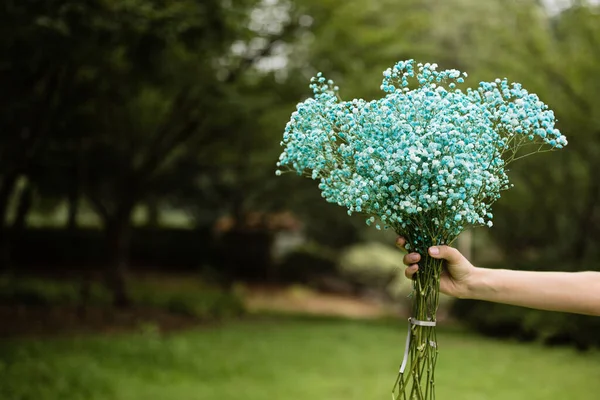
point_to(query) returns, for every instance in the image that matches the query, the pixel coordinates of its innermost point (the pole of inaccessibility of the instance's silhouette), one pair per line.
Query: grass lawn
(285, 358)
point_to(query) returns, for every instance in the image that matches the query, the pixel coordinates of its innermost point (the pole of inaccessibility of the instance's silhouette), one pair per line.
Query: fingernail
(434, 251)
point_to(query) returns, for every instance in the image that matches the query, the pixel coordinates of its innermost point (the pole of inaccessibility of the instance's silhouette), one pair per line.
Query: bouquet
(427, 160)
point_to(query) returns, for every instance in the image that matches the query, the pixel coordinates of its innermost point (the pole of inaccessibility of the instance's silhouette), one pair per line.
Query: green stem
(418, 382)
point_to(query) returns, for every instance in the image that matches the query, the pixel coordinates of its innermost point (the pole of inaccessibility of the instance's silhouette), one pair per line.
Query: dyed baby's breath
(426, 160)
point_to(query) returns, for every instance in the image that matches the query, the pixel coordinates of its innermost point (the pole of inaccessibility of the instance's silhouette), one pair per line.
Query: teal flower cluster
(428, 159)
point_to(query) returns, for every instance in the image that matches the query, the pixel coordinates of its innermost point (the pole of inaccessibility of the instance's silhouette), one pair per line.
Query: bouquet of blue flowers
(426, 160)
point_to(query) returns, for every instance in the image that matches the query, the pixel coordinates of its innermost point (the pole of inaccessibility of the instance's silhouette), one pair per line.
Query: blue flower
(427, 160)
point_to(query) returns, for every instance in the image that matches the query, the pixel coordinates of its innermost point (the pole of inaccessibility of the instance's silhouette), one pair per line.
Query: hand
(458, 272)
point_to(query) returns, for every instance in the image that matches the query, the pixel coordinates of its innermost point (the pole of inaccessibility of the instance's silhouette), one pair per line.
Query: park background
(147, 249)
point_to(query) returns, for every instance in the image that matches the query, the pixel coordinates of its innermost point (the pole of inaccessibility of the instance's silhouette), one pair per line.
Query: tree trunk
(14, 231)
(23, 207)
(75, 190)
(7, 186)
(118, 240)
(73, 209)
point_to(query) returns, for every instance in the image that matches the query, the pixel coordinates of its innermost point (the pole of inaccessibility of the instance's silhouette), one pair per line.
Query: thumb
(448, 253)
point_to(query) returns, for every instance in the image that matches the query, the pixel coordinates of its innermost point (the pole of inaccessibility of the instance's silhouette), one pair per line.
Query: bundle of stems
(417, 381)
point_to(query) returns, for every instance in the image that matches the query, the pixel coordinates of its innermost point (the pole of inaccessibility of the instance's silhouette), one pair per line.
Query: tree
(36, 84)
(559, 59)
(125, 94)
(168, 93)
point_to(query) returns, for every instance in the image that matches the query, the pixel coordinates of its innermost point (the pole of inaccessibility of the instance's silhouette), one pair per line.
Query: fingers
(446, 252)
(411, 258)
(401, 242)
(410, 271)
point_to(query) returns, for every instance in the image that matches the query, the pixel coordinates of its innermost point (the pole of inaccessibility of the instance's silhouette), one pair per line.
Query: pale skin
(573, 292)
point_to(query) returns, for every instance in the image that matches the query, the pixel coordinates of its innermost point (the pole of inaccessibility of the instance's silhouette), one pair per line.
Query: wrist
(477, 284)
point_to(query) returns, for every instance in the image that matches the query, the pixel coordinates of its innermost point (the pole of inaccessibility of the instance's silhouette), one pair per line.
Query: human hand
(457, 274)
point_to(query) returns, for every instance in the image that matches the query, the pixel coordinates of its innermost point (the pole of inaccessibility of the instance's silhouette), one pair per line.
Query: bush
(194, 301)
(307, 263)
(38, 292)
(202, 303)
(57, 249)
(244, 254)
(375, 266)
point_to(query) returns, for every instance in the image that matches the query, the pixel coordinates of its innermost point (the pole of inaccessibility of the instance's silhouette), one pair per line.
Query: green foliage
(142, 98)
(352, 42)
(63, 249)
(556, 57)
(308, 262)
(503, 321)
(553, 55)
(375, 266)
(192, 301)
(200, 303)
(124, 101)
(38, 292)
(299, 358)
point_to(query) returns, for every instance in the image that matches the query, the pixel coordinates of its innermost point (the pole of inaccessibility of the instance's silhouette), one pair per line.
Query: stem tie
(412, 321)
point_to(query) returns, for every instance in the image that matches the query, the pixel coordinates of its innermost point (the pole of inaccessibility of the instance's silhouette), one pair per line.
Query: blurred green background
(147, 249)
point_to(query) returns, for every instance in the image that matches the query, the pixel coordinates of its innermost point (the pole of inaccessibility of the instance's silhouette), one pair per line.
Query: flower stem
(417, 381)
